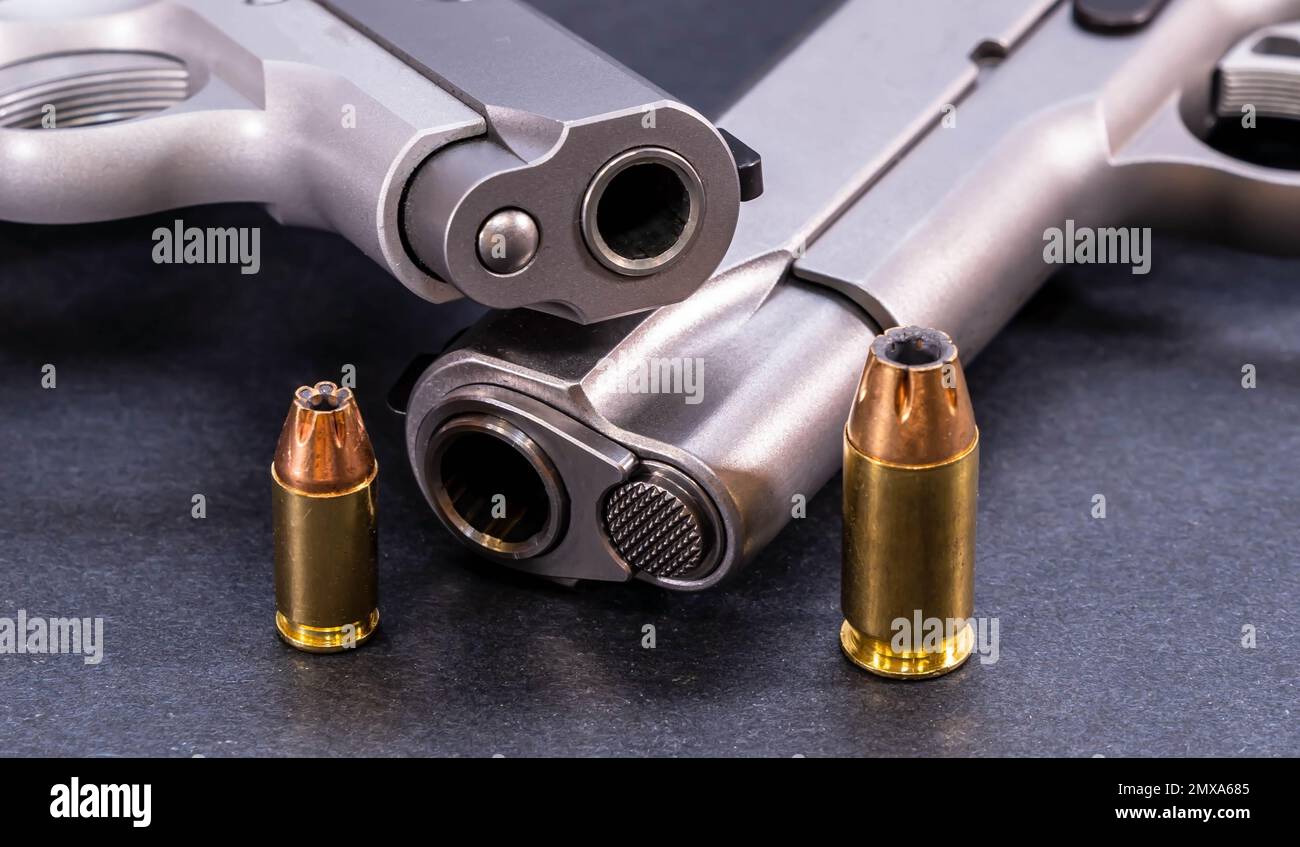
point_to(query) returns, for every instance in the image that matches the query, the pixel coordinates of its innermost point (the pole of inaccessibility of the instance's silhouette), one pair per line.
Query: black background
(225, 795)
(1118, 636)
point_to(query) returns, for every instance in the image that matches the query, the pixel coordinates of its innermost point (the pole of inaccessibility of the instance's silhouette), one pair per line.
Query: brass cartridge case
(911, 478)
(325, 523)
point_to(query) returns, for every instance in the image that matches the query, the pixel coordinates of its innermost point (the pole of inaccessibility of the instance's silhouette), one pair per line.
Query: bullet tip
(322, 397)
(324, 448)
(912, 405)
(914, 348)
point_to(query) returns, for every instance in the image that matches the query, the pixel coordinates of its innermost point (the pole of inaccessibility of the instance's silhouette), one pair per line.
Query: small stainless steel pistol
(471, 149)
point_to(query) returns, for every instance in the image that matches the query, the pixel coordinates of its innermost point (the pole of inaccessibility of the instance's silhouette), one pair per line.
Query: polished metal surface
(518, 519)
(1261, 75)
(557, 111)
(582, 464)
(286, 106)
(642, 211)
(89, 88)
(846, 103)
(401, 125)
(508, 241)
(1101, 130)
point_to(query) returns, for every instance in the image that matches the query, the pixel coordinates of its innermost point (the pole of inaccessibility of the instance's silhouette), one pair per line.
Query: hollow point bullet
(911, 476)
(323, 510)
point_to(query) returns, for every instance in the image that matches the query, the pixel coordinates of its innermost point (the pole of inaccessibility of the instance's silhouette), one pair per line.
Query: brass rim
(877, 656)
(327, 639)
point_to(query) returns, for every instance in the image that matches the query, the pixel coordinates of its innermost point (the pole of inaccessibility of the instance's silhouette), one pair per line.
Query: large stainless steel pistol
(471, 149)
(915, 154)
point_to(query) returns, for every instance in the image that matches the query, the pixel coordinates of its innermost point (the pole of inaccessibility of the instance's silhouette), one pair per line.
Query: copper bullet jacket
(325, 523)
(911, 478)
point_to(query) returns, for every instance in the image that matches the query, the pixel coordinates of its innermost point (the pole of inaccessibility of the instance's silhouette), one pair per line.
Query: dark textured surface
(1118, 636)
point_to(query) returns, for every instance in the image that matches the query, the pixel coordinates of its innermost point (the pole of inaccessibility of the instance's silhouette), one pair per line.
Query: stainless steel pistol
(470, 149)
(915, 155)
